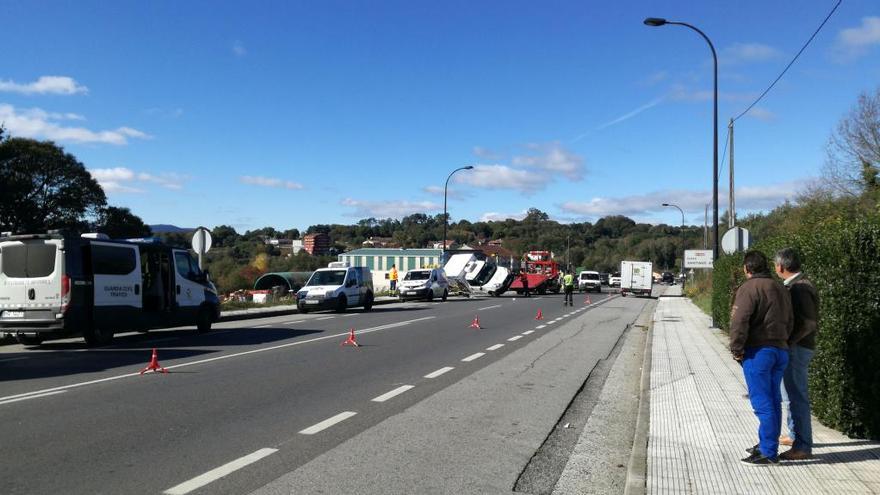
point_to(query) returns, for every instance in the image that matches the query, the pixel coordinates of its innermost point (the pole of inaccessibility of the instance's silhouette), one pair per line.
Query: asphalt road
(249, 402)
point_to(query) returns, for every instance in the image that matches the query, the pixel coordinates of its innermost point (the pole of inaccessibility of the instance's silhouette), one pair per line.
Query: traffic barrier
(476, 323)
(154, 364)
(540, 315)
(350, 340)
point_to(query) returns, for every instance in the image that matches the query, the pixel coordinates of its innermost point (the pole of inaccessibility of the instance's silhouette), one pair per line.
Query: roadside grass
(700, 292)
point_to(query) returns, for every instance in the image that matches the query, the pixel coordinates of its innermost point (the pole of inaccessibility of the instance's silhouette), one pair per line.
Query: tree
(121, 223)
(45, 188)
(224, 236)
(853, 151)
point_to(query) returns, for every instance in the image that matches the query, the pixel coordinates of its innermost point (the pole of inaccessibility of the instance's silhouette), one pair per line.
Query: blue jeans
(763, 368)
(795, 381)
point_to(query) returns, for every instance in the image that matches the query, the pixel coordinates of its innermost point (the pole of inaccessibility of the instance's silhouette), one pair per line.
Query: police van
(60, 284)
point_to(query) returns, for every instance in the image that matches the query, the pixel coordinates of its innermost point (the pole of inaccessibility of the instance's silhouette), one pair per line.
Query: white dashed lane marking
(495, 347)
(490, 307)
(528, 332)
(514, 338)
(474, 356)
(327, 423)
(540, 327)
(215, 474)
(439, 372)
(394, 393)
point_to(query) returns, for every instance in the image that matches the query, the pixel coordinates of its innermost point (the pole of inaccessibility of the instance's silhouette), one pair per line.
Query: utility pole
(731, 209)
(706, 228)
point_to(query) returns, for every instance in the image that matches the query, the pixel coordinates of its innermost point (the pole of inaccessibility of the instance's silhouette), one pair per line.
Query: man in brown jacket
(760, 326)
(801, 343)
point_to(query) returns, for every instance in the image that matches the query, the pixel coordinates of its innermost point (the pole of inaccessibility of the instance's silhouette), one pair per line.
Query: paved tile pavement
(701, 424)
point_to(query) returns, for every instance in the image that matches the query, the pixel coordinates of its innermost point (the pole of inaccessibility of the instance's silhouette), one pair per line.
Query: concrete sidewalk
(701, 424)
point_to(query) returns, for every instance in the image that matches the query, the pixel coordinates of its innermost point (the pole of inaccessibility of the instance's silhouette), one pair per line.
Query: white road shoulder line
(324, 318)
(474, 356)
(495, 347)
(490, 307)
(528, 332)
(18, 358)
(263, 326)
(327, 423)
(435, 374)
(394, 393)
(35, 396)
(215, 474)
(514, 338)
(540, 327)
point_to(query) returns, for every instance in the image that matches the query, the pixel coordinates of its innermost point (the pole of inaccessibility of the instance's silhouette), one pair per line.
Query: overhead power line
(790, 63)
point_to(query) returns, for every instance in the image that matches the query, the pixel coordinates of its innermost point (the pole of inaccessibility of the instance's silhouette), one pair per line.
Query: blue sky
(289, 114)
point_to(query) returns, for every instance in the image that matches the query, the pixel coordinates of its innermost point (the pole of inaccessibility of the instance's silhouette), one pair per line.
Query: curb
(637, 470)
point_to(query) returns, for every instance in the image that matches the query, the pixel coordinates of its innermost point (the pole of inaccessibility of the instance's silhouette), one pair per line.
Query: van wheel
(95, 336)
(445, 295)
(203, 321)
(368, 302)
(430, 296)
(341, 304)
(29, 339)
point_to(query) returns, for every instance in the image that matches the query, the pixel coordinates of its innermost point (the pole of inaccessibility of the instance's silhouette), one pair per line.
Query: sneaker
(754, 450)
(758, 460)
(786, 440)
(795, 455)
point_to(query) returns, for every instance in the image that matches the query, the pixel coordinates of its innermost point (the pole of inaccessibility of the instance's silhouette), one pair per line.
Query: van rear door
(31, 273)
(116, 269)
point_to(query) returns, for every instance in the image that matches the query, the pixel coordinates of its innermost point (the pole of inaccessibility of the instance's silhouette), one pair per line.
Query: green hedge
(842, 258)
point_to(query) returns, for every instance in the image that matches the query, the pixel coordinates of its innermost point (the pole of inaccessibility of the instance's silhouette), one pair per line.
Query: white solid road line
(495, 347)
(34, 396)
(394, 393)
(540, 327)
(216, 474)
(324, 318)
(435, 374)
(490, 307)
(327, 423)
(220, 358)
(264, 326)
(528, 332)
(474, 356)
(17, 358)
(514, 338)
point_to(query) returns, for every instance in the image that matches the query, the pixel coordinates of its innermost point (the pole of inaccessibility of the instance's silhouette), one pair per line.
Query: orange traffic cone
(350, 340)
(154, 364)
(476, 323)
(540, 315)
(588, 301)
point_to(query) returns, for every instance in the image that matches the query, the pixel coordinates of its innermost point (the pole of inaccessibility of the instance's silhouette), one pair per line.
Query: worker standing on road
(568, 287)
(392, 277)
(524, 279)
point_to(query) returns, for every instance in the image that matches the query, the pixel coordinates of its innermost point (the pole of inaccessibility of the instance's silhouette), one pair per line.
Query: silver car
(427, 283)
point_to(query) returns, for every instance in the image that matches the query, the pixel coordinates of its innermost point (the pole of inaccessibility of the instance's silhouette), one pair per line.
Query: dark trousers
(569, 295)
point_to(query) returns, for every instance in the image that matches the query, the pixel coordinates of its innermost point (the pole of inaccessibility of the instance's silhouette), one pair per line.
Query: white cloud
(451, 193)
(680, 92)
(748, 198)
(388, 209)
(270, 182)
(762, 113)
(857, 41)
(486, 154)
(502, 177)
(39, 124)
(57, 85)
(742, 53)
(552, 157)
(238, 49)
(493, 216)
(125, 180)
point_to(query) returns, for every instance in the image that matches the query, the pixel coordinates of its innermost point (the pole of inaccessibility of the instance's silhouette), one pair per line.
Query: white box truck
(636, 277)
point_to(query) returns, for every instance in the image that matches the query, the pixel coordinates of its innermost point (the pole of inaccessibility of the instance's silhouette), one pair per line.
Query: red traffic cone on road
(154, 364)
(350, 340)
(540, 315)
(588, 301)
(476, 323)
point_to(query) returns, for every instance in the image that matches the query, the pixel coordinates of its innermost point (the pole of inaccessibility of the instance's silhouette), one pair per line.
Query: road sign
(698, 258)
(735, 240)
(201, 243)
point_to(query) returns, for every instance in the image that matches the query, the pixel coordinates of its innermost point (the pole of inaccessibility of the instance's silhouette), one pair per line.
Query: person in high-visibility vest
(568, 287)
(392, 277)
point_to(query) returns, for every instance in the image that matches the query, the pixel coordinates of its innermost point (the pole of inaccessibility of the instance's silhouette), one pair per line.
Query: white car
(615, 281)
(589, 281)
(425, 284)
(338, 287)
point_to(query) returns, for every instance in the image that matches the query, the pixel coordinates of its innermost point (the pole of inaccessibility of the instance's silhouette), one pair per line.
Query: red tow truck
(542, 273)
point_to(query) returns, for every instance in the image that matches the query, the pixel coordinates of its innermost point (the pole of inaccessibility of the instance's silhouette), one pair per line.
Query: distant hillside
(165, 228)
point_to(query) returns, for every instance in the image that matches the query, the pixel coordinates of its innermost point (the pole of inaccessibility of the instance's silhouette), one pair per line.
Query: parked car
(615, 281)
(589, 281)
(605, 278)
(338, 287)
(424, 284)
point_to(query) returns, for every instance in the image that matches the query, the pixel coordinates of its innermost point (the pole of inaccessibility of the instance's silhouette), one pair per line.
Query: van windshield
(417, 275)
(589, 276)
(327, 277)
(28, 260)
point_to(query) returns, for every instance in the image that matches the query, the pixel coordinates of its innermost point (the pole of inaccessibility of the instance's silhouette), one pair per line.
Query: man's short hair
(755, 262)
(788, 259)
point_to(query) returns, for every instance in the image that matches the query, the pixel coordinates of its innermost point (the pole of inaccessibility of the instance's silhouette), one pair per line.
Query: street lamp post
(656, 22)
(682, 240)
(445, 218)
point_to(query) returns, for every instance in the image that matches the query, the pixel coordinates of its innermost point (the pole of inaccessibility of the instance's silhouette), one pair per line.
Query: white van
(337, 287)
(424, 284)
(589, 281)
(59, 284)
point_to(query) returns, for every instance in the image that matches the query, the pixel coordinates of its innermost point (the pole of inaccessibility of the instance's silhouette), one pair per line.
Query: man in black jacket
(802, 344)
(760, 326)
